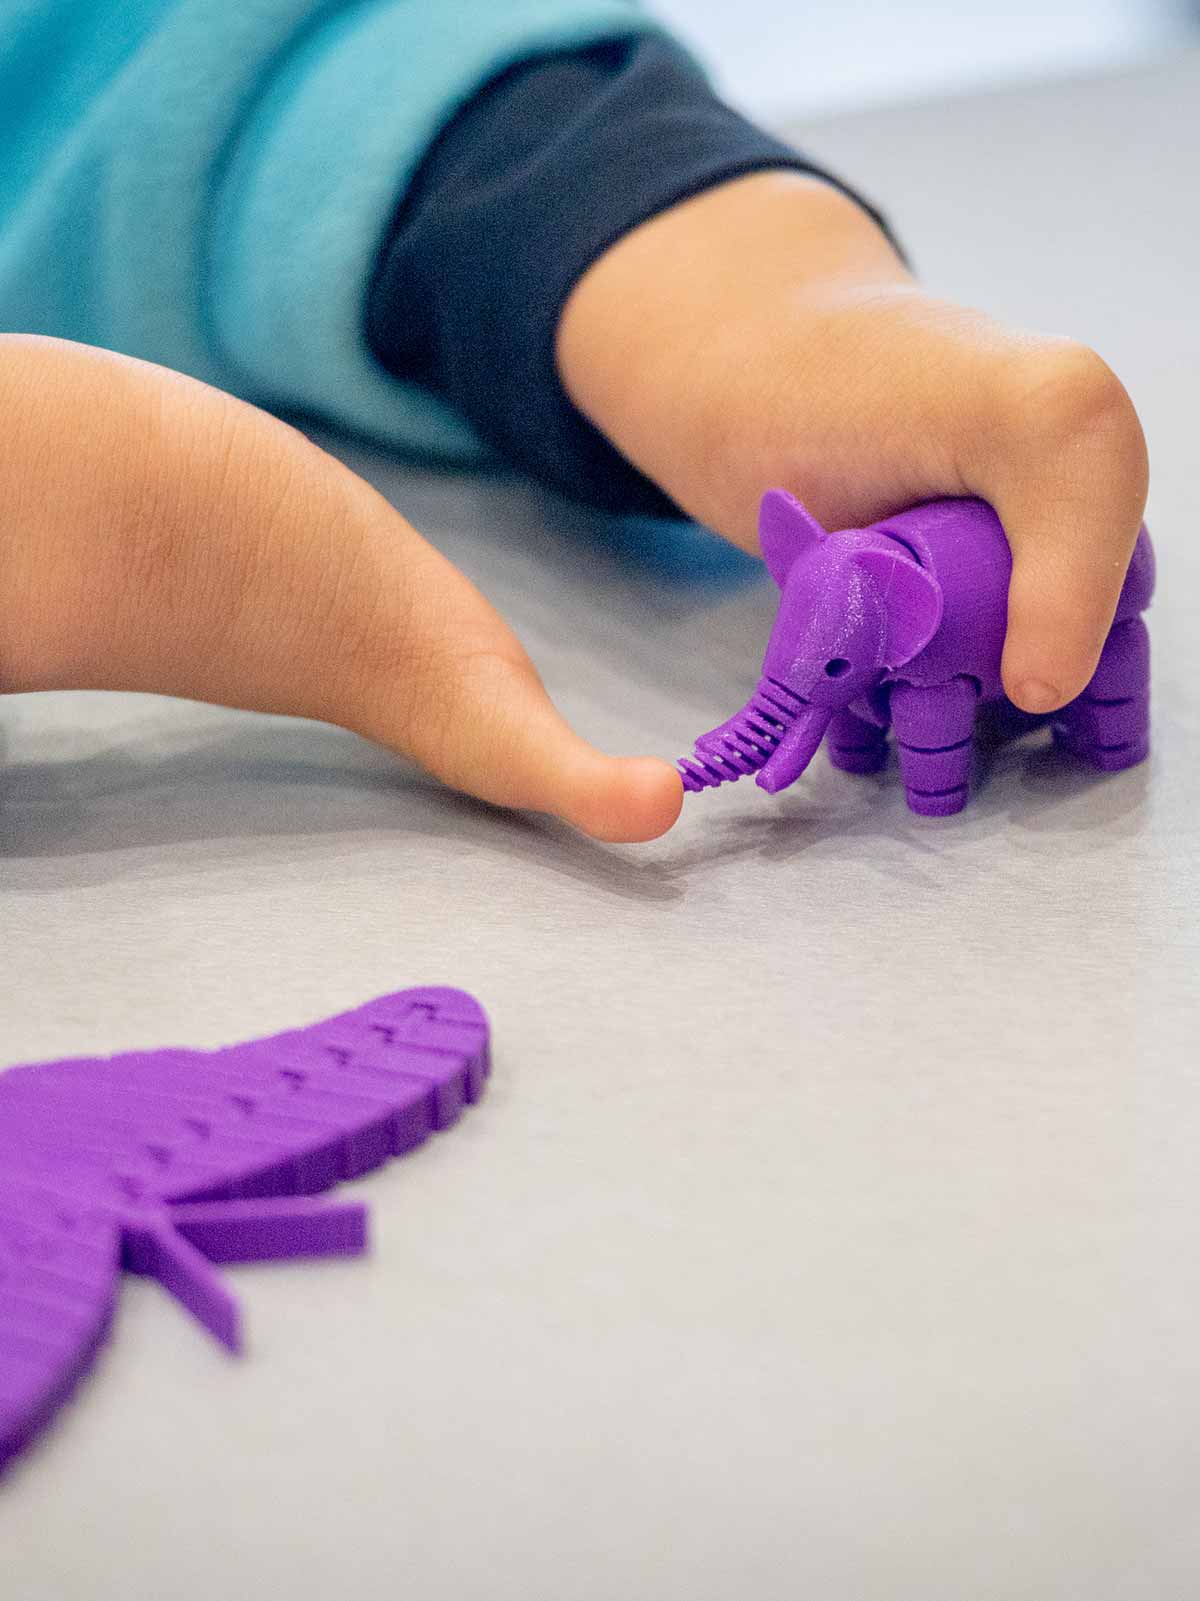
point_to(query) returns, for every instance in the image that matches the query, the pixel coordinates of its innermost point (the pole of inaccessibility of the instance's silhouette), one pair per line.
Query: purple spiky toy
(902, 624)
(164, 1162)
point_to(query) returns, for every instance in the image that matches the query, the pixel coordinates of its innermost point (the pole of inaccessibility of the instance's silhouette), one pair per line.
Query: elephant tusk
(796, 749)
(745, 742)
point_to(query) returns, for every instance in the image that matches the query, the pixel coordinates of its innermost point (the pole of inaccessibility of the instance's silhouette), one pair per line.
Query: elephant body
(901, 625)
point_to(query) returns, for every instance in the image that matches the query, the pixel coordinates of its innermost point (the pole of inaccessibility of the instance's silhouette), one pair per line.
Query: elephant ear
(911, 602)
(785, 529)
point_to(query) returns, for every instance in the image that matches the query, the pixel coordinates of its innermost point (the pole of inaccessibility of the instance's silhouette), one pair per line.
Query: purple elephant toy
(902, 624)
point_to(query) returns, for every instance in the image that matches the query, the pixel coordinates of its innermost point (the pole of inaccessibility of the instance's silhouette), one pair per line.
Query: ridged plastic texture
(746, 742)
(900, 625)
(165, 1162)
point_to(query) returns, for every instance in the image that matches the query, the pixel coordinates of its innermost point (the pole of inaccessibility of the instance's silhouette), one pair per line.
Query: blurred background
(784, 59)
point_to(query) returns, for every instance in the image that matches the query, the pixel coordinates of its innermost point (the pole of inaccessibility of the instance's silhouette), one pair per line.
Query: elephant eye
(836, 667)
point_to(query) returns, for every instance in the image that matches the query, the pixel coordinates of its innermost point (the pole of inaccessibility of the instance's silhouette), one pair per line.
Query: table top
(832, 1224)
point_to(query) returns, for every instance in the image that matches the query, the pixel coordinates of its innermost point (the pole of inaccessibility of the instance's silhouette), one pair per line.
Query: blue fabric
(206, 183)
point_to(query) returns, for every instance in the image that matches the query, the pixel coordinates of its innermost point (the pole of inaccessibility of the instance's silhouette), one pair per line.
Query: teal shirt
(206, 183)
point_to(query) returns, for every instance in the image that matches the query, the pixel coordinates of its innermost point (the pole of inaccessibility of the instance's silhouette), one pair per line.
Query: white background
(789, 58)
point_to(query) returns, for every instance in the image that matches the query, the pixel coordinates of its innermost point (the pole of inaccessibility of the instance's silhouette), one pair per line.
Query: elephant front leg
(935, 735)
(855, 745)
(1109, 724)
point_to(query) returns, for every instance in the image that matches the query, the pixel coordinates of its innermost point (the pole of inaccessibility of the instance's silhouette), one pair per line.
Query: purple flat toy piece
(901, 624)
(164, 1162)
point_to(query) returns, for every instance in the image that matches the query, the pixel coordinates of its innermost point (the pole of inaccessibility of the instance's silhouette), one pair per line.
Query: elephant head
(853, 606)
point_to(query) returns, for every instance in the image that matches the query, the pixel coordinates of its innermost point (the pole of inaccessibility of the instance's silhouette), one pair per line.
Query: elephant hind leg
(1109, 724)
(856, 746)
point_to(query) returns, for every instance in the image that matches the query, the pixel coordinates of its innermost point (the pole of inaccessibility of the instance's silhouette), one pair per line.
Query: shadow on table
(97, 815)
(1024, 792)
(87, 813)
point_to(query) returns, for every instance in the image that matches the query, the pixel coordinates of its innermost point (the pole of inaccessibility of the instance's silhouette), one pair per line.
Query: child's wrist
(650, 333)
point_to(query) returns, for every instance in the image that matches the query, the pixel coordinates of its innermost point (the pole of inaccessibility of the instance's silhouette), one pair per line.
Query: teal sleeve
(208, 184)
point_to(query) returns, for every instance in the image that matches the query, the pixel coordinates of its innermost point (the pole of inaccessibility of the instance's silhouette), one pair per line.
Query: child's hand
(161, 536)
(764, 333)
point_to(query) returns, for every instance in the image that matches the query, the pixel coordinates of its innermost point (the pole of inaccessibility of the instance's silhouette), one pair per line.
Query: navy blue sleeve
(535, 178)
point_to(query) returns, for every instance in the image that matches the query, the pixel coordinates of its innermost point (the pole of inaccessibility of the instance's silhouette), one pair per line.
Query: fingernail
(1035, 696)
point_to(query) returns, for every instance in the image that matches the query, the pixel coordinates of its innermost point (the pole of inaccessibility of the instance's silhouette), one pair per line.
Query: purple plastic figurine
(163, 1162)
(902, 624)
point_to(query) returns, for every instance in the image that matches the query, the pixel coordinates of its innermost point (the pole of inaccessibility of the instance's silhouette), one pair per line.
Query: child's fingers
(1067, 474)
(513, 748)
(179, 542)
(1068, 566)
(764, 333)
(458, 694)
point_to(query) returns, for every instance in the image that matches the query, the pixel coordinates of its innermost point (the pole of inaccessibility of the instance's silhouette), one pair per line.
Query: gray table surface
(832, 1226)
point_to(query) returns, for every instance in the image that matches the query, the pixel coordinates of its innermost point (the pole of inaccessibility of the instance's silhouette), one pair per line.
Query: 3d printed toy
(902, 624)
(163, 1162)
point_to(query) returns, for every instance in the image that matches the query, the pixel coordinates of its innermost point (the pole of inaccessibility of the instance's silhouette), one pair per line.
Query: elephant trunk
(775, 734)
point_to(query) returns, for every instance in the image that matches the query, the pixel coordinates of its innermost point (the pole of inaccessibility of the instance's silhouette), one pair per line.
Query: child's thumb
(457, 693)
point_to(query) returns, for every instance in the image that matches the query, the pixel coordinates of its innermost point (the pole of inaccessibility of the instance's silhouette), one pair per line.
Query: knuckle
(1068, 389)
(1065, 407)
